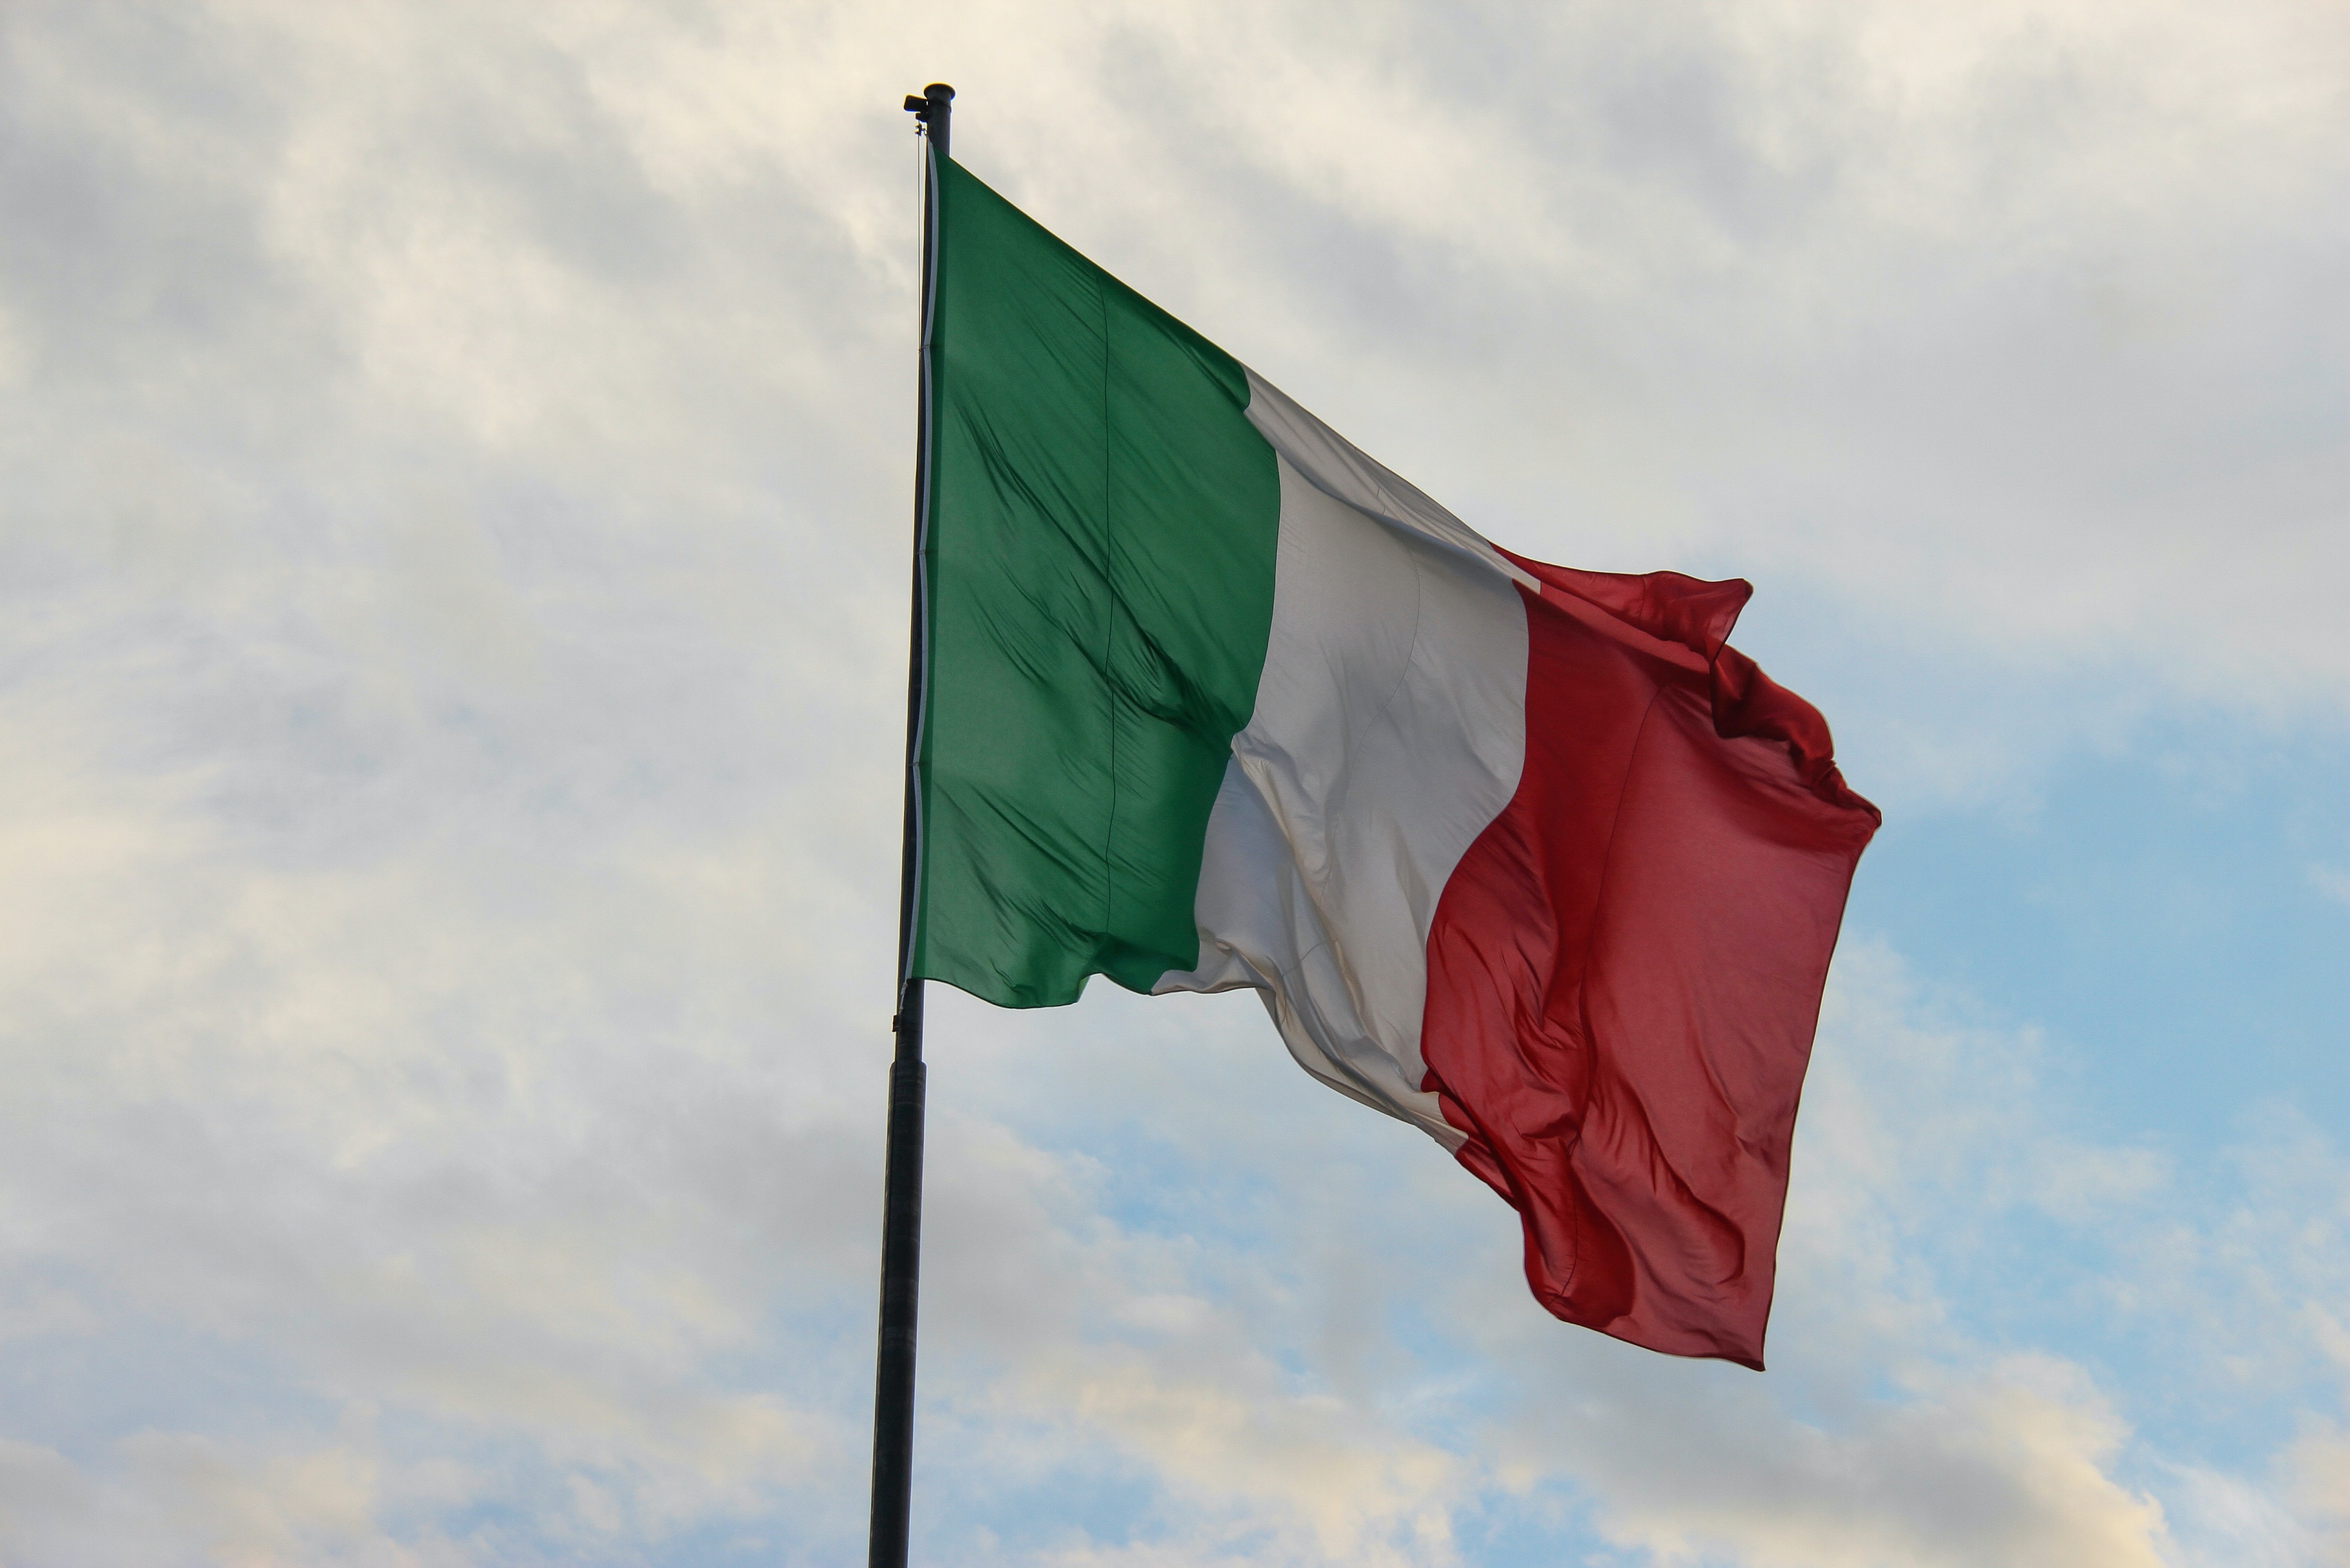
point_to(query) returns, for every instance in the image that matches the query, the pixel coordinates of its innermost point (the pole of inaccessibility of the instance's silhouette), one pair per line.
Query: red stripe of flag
(1624, 970)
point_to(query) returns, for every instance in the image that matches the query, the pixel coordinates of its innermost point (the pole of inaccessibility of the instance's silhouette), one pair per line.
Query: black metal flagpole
(902, 1200)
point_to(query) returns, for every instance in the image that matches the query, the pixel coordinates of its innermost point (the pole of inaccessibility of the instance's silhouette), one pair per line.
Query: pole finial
(935, 110)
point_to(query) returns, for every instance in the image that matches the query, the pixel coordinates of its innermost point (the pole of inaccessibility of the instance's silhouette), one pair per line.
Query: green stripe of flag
(1101, 535)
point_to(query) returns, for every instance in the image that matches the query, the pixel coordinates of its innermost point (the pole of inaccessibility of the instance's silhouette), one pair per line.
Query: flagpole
(902, 1200)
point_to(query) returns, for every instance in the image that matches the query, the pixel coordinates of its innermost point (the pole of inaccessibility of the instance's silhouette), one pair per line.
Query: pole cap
(937, 99)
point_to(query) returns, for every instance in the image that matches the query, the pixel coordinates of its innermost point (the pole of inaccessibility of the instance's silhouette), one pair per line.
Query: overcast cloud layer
(454, 467)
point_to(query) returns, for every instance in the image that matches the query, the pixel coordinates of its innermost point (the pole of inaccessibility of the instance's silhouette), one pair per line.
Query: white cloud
(2320, 1469)
(1899, 1424)
(2009, 1466)
(171, 1498)
(449, 679)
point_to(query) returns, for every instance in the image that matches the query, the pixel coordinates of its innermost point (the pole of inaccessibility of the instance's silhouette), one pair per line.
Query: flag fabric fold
(1526, 857)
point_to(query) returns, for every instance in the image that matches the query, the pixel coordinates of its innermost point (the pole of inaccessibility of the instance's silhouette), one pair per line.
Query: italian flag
(1525, 857)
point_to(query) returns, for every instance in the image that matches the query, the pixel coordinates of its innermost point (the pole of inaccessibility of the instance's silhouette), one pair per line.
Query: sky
(455, 475)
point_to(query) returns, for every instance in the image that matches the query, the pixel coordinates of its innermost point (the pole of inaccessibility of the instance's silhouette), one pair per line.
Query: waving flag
(1525, 857)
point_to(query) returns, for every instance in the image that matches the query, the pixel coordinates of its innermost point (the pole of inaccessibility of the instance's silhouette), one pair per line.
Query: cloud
(1891, 1429)
(2320, 1467)
(172, 1495)
(2009, 1466)
(450, 677)
(1900, 1423)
